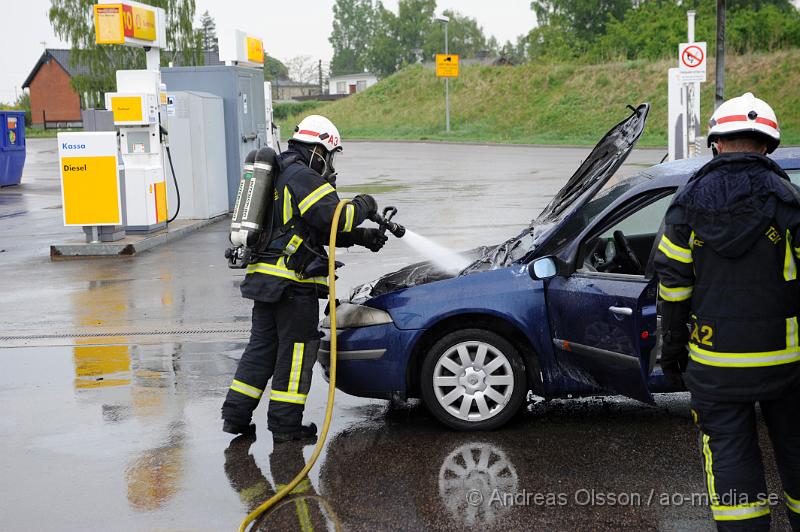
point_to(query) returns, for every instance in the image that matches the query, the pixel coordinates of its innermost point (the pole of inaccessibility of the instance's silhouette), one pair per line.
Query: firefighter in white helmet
(286, 277)
(727, 265)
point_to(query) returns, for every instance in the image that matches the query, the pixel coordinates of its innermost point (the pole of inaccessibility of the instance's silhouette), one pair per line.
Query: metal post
(692, 100)
(153, 57)
(719, 95)
(446, 85)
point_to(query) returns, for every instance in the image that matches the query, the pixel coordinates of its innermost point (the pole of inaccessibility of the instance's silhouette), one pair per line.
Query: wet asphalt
(112, 373)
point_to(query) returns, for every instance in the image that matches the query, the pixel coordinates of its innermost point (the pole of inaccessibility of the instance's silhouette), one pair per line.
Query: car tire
(473, 379)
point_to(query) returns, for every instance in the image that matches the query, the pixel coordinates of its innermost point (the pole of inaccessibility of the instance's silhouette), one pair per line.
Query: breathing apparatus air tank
(255, 200)
(252, 213)
(247, 174)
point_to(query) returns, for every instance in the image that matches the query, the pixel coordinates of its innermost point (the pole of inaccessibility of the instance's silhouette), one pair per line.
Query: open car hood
(598, 167)
(604, 160)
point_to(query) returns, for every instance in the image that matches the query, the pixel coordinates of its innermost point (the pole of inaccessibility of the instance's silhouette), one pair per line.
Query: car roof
(677, 173)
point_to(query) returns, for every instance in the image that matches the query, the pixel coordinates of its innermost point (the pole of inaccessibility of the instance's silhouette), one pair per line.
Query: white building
(351, 83)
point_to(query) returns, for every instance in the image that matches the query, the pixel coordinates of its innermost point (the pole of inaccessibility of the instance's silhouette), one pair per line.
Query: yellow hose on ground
(252, 516)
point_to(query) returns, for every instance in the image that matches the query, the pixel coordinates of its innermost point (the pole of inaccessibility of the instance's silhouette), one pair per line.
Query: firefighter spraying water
(282, 217)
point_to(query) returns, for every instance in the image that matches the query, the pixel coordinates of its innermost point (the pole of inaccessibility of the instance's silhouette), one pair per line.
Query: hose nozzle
(385, 222)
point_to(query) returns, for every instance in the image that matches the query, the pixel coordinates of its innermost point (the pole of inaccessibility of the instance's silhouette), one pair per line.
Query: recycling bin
(12, 147)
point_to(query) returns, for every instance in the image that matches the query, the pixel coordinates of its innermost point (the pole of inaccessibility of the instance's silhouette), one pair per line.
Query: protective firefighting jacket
(302, 216)
(728, 263)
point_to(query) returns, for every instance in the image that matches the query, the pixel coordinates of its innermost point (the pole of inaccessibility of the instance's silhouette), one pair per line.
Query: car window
(646, 220)
(794, 175)
(600, 253)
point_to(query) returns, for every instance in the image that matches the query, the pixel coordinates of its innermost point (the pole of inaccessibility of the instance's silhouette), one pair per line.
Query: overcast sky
(288, 31)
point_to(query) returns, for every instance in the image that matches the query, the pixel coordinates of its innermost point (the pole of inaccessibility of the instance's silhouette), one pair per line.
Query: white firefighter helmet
(316, 129)
(742, 115)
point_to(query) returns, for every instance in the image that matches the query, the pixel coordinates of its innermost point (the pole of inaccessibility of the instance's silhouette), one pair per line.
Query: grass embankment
(550, 104)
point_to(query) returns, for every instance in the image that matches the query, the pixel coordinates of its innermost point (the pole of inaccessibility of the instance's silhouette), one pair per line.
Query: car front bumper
(370, 361)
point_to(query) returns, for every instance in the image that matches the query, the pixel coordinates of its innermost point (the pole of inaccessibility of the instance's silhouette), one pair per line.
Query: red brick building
(53, 101)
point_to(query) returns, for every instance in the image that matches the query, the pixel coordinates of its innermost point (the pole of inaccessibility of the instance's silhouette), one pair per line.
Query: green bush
(652, 29)
(282, 111)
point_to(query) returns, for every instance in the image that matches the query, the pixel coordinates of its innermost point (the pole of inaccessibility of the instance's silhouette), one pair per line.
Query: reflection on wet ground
(112, 374)
(129, 435)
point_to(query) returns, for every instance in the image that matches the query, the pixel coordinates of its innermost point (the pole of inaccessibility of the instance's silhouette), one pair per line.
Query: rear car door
(604, 323)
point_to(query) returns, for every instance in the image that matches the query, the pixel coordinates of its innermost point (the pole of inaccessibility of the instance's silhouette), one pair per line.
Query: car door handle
(621, 311)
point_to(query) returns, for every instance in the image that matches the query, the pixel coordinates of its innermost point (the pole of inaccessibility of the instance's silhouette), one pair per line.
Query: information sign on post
(238, 47)
(447, 65)
(692, 62)
(129, 23)
(90, 188)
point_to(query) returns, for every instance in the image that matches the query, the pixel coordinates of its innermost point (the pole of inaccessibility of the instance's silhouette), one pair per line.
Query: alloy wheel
(473, 381)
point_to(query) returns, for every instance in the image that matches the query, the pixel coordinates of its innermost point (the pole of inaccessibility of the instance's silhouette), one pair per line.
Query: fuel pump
(137, 114)
(139, 109)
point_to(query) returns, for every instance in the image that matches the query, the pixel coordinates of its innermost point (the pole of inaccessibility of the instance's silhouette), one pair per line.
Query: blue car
(566, 308)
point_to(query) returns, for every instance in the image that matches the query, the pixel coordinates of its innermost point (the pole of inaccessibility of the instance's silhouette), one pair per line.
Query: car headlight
(349, 316)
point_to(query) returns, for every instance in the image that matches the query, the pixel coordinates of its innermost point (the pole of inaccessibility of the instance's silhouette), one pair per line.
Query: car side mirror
(545, 268)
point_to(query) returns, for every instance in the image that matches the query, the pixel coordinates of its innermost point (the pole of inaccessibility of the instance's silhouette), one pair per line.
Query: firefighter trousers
(732, 464)
(283, 345)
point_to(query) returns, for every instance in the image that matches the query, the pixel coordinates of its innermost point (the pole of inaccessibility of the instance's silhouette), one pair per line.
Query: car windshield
(516, 248)
(565, 232)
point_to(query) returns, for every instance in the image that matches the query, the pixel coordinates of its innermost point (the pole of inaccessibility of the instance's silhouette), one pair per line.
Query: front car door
(603, 317)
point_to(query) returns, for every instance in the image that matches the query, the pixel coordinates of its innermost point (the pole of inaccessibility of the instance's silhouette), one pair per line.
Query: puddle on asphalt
(137, 427)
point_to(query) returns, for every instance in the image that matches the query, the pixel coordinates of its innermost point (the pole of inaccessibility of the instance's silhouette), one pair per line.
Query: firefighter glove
(372, 239)
(674, 358)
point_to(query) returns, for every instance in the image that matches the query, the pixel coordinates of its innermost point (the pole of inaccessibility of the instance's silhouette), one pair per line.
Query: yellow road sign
(446, 65)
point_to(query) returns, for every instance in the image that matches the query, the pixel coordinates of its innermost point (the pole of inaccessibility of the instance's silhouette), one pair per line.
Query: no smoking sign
(693, 57)
(692, 61)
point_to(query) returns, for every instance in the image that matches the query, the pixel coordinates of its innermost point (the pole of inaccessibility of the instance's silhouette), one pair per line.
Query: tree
(305, 69)
(464, 35)
(73, 21)
(757, 5)
(515, 53)
(412, 24)
(208, 33)
(383, 55)
(399, 39)
(353, 24)
(653, 30)
(586, 19)
(274, 69)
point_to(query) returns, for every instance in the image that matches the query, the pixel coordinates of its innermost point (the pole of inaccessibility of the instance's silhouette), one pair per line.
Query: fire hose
(252, 516)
